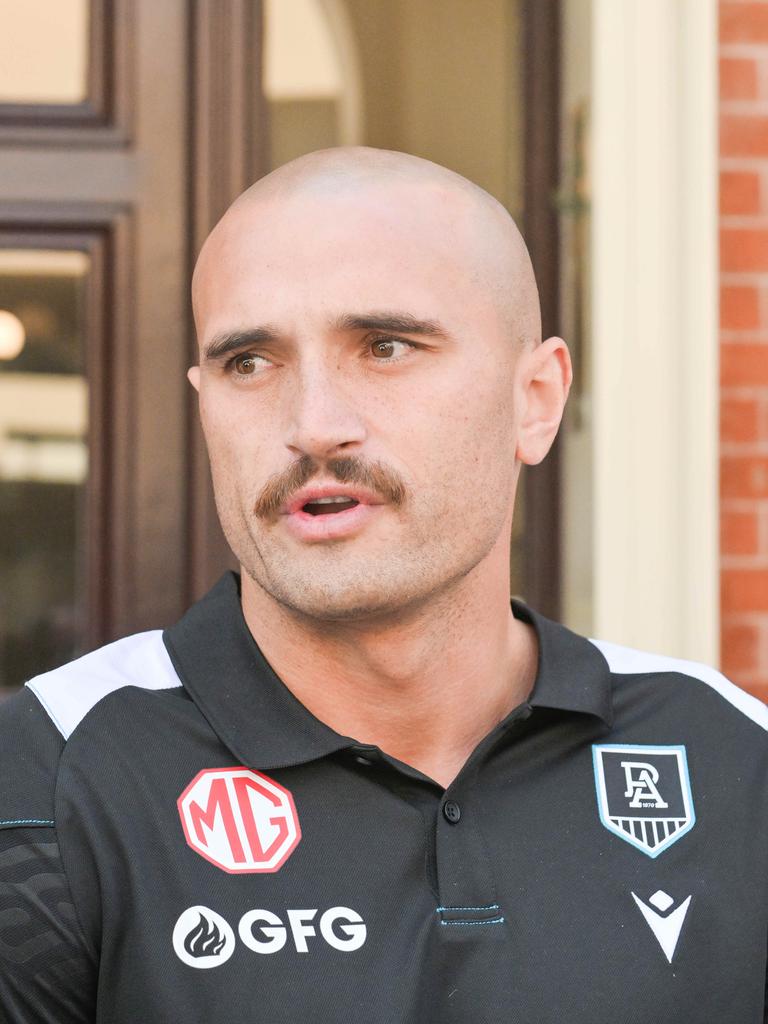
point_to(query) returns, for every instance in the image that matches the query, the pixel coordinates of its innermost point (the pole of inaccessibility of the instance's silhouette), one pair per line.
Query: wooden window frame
(103, 118)
(103, 234)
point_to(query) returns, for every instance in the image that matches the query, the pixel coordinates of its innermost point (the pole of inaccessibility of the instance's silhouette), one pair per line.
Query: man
(354, 783)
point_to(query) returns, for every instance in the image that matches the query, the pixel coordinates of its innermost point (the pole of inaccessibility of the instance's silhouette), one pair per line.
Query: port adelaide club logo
(239, 820)
(644, 794)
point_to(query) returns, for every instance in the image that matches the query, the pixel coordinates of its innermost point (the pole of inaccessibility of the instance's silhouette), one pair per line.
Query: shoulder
(703, 681)
(46, 967)
(37, 722)
(30, 748)
(69, 693)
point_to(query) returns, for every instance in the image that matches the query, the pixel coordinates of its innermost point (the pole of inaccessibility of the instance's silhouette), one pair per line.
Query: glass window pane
(44, 51)
(43, 460)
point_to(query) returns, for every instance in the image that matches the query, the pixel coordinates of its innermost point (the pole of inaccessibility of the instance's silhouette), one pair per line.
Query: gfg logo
(264, 932)
(203, 939)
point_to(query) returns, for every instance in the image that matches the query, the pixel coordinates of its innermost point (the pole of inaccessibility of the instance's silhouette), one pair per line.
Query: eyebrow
(231, 341)
(399, 323)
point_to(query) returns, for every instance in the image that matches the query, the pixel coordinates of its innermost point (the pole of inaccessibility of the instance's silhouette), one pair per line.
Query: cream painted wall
(577, 521)
(655, 318)
(300, 61)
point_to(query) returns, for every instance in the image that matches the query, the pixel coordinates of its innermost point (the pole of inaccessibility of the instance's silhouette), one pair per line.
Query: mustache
(374, 476)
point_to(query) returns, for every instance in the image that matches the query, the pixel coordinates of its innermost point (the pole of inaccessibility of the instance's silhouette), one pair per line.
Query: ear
(193, 376)
(546, 379)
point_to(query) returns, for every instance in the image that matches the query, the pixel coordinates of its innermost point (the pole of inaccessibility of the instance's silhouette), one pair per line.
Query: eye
(390, 350)
(245, 364)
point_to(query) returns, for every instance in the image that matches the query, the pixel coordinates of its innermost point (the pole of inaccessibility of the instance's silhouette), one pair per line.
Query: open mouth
(328, 506)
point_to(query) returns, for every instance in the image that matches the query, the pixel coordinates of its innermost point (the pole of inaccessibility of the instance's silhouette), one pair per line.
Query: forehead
(419, 250)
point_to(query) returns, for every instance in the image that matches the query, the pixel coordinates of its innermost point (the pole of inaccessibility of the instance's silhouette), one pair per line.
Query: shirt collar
(247, 705)
(257, 717)
(572, 673)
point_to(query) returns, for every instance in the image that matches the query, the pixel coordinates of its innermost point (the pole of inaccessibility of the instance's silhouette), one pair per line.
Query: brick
(744, 590)
(744, 23)
(739, 420)
(738, 79)
(743, 365)
(743, 249)
(739, 649)
(743, 135)
(744, 476)
(739, 308)
(739, 193)
(738, 533)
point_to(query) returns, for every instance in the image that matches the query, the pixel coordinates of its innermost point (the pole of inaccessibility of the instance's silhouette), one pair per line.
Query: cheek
(461, 443)
(234, 441)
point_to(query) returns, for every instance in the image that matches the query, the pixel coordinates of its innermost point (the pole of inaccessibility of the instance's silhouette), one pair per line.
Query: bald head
(370, 319)
(456, 218)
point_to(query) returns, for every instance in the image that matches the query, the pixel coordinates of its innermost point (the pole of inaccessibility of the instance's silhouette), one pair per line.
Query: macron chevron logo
(665, 920)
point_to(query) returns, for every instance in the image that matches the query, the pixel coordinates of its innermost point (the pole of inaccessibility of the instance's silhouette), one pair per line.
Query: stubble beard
(332, 582)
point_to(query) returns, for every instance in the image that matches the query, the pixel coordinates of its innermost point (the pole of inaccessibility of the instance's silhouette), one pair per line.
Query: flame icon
(205, 939)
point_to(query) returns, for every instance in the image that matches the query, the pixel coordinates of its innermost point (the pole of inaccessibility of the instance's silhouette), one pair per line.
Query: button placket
(465, 878)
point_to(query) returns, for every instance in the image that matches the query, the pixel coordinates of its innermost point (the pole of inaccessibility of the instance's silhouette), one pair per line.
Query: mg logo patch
(239, 820)
(644, 794)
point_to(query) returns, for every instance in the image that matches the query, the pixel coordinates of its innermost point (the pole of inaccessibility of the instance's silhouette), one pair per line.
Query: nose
(323, 417)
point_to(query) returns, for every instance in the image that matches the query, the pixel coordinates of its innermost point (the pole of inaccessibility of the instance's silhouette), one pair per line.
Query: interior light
(12, 335)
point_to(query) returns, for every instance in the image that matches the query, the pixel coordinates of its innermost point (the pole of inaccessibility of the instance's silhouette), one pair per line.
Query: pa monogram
(644, 794)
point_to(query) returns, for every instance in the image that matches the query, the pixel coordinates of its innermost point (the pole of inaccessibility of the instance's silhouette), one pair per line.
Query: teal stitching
(29, 821)
(491, 906)
(469, 924)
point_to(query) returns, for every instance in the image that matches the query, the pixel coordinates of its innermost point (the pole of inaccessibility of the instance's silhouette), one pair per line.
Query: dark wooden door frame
(541, 97)
(227, 153)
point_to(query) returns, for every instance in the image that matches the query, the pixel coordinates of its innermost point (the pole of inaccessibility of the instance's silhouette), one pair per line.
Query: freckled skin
(400, 634)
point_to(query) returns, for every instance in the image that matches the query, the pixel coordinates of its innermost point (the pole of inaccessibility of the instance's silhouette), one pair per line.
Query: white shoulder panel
(626, 660)
(68, 693)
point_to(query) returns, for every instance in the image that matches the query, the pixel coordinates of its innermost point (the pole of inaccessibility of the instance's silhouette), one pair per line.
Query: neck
(424, 687)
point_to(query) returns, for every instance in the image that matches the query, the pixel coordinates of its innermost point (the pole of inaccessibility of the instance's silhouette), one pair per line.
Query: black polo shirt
(182, 841)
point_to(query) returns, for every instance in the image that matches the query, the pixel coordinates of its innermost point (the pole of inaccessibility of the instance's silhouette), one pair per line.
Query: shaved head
(478, 231)
(371, 379)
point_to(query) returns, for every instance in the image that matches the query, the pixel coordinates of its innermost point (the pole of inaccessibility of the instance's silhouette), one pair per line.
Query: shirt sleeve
(47, 975)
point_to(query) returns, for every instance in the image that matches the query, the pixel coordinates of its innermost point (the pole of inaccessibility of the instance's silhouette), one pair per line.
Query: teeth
(327, 501)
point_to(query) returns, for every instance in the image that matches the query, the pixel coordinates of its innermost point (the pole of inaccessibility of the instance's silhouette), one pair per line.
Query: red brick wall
(744, 341)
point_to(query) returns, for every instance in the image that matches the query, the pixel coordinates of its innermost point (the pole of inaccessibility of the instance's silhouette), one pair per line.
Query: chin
(336, 601)
(341, 607)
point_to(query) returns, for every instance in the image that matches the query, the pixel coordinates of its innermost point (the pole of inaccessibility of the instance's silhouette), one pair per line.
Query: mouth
(328, 499)
(329, 506)
(328, 511)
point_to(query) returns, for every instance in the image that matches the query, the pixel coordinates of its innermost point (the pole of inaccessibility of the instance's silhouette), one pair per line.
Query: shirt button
(452, 811)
